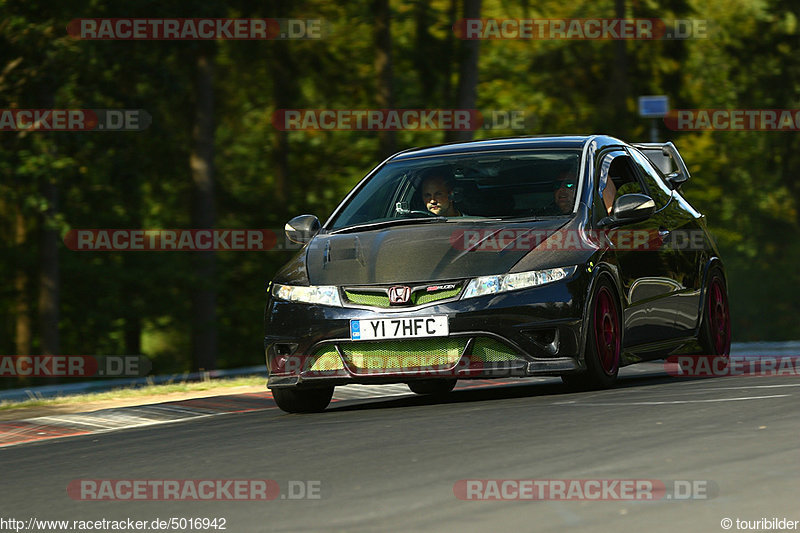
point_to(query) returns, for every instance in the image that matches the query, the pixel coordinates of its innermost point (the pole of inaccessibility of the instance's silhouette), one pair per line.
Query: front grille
(489, 350)
(410, 355)
(326, 359)
(404, 354)
(367, 298)
(379, 296)
(426, 297)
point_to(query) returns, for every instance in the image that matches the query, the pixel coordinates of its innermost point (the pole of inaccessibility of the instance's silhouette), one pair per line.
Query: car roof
(510, 143)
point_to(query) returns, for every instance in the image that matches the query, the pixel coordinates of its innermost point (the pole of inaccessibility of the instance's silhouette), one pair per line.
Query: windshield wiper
(388, 223)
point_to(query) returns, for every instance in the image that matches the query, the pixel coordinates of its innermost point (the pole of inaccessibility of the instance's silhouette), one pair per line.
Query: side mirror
(302, 229)
(629, 208)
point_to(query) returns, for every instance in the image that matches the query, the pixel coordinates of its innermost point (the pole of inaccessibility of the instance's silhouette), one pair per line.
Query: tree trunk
(447, 92)
(381, 11)
(467, 72)
(133, 335)
(618, 89)
(49, 274)
(204, 294)
(282, 93)
(423, 57)
(133, 288)
(22, 312)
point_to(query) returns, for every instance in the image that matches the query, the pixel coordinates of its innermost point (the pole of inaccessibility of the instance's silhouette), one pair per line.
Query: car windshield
(486, 185)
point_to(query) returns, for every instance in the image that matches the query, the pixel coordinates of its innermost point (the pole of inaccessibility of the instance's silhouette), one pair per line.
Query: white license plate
(399, 328)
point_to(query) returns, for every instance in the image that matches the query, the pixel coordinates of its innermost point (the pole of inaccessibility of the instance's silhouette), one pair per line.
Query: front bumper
(530, 332)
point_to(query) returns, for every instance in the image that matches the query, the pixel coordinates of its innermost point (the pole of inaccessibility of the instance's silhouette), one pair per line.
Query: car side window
(658, 190)
(617, 177)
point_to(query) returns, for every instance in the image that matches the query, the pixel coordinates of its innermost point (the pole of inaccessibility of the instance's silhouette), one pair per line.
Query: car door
(678, 225)
(646, 273)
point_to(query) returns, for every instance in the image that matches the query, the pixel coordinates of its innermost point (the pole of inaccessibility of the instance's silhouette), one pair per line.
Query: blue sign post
(653, 107)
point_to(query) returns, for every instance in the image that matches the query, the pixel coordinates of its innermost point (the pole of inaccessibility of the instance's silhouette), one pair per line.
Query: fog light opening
(546, 338)
(284, 349)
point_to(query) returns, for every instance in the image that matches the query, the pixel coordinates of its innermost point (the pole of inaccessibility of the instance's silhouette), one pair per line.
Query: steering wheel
(401, 208)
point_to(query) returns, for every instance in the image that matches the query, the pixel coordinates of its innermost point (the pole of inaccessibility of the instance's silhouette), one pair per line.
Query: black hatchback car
(568, 255)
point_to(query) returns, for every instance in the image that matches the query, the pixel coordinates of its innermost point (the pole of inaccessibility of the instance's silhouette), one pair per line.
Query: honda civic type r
(567, 255)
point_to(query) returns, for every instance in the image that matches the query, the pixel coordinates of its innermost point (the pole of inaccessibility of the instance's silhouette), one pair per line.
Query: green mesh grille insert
(326, 358)
(368, 298)
(489, 350)
(420, 297)
(382, 300)
(404, 354)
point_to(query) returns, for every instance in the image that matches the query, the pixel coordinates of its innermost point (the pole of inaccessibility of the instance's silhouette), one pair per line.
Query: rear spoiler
(668, 160)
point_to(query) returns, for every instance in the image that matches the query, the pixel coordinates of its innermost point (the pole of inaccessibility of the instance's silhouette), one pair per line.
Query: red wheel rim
(606, 331)
(719, 317)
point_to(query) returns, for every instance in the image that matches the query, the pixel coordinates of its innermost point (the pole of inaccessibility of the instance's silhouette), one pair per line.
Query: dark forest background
(211, 157)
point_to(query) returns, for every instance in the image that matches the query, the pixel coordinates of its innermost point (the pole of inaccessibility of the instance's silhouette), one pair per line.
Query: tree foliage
(114, 303)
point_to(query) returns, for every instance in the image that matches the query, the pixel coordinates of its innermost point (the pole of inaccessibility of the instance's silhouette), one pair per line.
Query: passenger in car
(609, 194)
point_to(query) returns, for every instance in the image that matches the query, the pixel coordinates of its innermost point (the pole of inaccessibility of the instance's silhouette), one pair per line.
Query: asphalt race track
(391, 463)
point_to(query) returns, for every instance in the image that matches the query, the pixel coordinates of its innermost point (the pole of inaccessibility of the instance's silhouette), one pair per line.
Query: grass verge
(138, 392)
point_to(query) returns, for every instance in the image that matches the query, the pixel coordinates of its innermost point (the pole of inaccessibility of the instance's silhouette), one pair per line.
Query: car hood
(418, 253)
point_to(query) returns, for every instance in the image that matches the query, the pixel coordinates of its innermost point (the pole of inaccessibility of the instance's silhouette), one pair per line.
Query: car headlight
(512, 282)
(315, 294)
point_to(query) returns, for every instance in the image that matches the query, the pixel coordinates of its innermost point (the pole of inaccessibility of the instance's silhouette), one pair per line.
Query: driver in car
(564, 191)
(436, 195)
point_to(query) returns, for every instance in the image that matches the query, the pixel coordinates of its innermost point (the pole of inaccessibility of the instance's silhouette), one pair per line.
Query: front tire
(603, 341)
(293, 400)
(432, 386)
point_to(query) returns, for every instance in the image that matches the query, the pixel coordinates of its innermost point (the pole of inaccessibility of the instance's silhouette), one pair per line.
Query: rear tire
(715, 331)
(432, 386)
(293, 400)
(603, 341)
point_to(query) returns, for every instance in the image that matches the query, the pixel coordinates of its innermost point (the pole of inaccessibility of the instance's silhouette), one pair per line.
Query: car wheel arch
(712, 263)
(600, 272)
